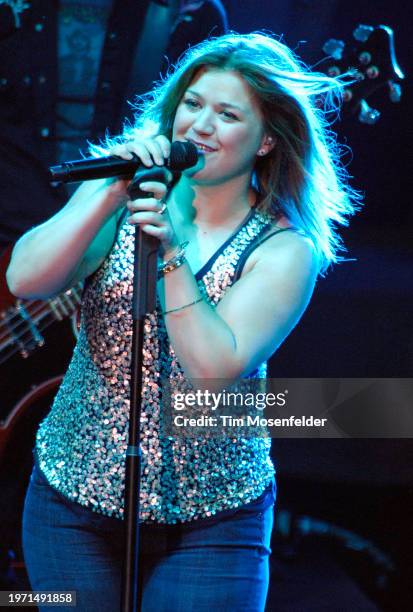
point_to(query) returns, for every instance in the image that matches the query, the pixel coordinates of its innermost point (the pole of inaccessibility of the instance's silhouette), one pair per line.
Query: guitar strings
(12, 324)
(70, 299)
(14, 348)
(8, 324)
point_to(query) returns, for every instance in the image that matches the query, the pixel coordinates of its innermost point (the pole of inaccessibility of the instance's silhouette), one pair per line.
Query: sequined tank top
(81, 444)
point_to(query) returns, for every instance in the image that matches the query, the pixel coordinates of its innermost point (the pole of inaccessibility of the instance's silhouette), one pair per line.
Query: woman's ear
(267, 145)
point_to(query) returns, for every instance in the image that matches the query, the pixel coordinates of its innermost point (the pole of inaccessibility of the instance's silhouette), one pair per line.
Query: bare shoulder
(285, 250)
(287, 239)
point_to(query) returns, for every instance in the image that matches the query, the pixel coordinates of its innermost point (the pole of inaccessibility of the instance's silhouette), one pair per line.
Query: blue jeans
(220, 564)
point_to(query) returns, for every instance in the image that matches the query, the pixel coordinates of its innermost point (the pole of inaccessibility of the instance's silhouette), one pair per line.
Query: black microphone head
(183, 155)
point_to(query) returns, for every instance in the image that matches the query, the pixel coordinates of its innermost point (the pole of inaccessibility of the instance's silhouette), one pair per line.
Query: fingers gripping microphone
(183, 155)
(157, 173)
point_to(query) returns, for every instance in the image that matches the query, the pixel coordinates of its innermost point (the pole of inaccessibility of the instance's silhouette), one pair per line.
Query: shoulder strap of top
(254, 245)
(207, 266)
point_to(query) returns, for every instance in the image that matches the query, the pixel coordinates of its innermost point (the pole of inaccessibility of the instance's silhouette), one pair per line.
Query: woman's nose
(204, 122)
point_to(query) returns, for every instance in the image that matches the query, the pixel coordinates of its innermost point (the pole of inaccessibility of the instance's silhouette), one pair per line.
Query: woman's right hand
(149, 212)
(149, 150)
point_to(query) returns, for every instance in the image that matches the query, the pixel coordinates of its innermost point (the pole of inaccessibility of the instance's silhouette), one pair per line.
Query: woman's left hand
(151, 214)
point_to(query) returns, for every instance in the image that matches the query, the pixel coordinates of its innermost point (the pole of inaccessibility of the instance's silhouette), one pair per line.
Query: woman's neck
(209, 207)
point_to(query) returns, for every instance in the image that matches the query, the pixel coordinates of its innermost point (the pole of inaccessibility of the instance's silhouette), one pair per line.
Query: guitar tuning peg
(395, 91)
(355, 74)
(362, 32)
(347, 95)
(372, 72)
(368, 115)
(334, 48)
(333, 71)
(365, 58)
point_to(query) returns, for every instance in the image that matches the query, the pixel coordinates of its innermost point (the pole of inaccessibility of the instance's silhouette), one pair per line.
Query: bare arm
(69, 246)
(251, 321)
(72, 244)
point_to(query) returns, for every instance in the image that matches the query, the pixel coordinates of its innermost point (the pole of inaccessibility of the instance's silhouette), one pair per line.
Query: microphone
(183, 155)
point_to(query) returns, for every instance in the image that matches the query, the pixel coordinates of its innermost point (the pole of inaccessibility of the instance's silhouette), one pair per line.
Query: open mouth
(203, 148)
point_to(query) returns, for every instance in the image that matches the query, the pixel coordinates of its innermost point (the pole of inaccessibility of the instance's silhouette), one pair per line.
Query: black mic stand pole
(143, 301)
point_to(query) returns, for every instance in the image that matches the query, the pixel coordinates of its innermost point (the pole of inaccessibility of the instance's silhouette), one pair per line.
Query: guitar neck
(21, 324)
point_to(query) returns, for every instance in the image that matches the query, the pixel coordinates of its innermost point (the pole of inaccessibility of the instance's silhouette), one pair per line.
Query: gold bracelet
(183, 307)
(174, 262)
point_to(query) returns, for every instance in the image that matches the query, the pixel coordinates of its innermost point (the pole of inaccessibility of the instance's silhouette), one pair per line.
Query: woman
(244, 235)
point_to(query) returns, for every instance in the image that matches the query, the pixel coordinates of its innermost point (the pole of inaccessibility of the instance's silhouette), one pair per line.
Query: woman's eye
(191, 103)
(229, 115)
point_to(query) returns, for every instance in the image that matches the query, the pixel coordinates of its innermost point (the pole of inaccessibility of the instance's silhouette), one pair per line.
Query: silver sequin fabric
(81, 444)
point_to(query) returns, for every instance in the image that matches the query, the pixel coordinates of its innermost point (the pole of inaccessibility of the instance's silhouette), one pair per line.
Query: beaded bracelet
(183, 307)
(174, 262)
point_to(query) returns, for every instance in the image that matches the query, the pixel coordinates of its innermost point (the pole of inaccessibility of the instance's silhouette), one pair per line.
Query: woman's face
(220, 116)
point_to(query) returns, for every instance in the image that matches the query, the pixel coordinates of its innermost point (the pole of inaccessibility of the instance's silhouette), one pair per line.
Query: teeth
(202, 147)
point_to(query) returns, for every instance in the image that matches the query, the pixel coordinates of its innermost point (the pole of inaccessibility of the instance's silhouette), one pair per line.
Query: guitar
(371, 59)
(29, 379)
(22, 322)
(28, 382)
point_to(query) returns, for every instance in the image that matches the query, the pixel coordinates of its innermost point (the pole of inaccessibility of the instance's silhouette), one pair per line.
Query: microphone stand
(144, 301)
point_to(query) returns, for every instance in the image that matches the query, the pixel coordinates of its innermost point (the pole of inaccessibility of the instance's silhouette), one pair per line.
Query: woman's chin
(197, 170)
